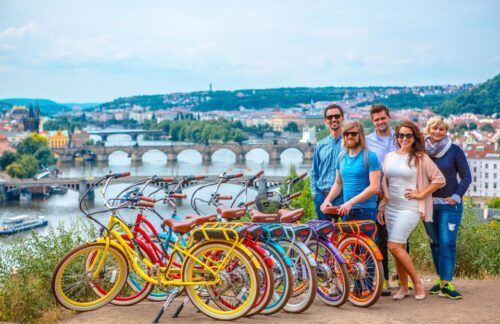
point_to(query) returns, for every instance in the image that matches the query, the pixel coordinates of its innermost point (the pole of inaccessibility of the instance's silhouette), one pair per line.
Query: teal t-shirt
(355, 176)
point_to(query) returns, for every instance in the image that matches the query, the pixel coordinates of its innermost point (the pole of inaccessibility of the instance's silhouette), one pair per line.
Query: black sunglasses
(351, 134)
(407, 135)
(336, 116)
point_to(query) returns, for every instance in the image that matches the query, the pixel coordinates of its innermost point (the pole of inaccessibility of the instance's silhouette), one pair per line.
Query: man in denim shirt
(325, 159)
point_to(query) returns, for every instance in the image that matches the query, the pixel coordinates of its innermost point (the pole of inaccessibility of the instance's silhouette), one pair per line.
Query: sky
(96, 51)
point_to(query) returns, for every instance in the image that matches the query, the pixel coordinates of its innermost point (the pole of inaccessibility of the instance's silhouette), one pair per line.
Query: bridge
(133, 133)
(82, 184)
(206, 150)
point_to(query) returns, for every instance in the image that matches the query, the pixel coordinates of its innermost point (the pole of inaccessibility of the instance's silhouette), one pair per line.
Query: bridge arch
(190, 155)
(224, 155)
(119, 157)
(291, 155)
(258, 154)
(154, 156)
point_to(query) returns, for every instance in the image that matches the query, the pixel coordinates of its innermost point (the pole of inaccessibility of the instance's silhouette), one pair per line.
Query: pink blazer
(427, 173)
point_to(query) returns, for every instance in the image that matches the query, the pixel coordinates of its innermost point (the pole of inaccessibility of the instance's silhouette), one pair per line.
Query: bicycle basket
(268, 203)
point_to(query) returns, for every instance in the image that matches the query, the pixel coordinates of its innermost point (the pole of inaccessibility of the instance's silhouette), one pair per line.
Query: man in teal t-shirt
(358, 177)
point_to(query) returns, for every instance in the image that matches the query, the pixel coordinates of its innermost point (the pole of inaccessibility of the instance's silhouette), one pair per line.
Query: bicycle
(205, 264)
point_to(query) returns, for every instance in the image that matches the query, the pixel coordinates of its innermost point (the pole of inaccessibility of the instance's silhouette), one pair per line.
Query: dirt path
(479, 305)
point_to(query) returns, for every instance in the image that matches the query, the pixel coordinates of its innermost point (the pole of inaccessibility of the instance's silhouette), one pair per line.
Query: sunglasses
(351, 134)
(336, 116)
(407, 135)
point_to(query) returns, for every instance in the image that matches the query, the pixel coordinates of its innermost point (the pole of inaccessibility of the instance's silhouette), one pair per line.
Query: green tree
(31, 144)
(291, 127)
(494, 203)
(7, 158)
(45, 157)
(26, 167)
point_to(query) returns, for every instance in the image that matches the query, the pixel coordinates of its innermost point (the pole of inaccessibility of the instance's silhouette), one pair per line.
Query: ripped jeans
(443, 233)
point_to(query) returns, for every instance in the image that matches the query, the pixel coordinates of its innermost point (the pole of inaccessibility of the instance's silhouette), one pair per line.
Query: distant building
(309, 135)
(79, 138)
(58, 139)
(484, 161)
(31, 122)
(5, 145)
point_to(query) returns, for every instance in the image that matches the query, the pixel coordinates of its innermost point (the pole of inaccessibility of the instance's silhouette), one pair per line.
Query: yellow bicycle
(215, 264)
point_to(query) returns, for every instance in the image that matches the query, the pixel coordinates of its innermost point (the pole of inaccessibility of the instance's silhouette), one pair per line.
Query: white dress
(401, 214)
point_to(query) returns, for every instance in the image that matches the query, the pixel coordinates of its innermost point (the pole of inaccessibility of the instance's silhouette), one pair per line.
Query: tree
(26, 167)
(487, 128)
(494, 203)
(31, 144)
(45, 157)
(7, 158)
(291, 127)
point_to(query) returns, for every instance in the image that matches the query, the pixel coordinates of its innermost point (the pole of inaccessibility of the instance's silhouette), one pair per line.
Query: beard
(351, 144)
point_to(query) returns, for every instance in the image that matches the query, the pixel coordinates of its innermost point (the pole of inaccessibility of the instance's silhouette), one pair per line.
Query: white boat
(21, 223)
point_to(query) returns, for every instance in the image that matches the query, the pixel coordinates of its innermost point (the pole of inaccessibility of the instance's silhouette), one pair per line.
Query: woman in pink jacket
(410, 178)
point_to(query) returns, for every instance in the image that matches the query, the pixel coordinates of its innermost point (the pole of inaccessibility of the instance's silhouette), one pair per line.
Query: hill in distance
(485, 99)
(47, 107)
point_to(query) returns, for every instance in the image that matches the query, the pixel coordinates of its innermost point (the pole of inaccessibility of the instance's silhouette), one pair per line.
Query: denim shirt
(324, 164)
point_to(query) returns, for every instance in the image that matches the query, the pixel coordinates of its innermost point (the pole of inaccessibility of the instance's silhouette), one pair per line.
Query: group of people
(395, 177)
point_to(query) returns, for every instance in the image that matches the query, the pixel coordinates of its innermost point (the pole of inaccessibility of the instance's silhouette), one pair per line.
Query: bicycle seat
(200, 220)
(355, 227)
(290, 216)
(180, 226)
(231, 213)
(332, 211)
(259, 217)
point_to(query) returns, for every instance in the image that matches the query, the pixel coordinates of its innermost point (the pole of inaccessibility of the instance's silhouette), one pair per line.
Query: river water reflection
(64, 208)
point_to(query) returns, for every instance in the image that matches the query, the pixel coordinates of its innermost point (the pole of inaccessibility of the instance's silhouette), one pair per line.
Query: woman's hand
(380, 217)
(325, 204)
(450, 201)
(345, 208)
(413, 194)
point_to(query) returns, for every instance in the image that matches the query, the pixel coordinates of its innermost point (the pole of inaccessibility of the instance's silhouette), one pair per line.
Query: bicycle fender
(282, 252)
(307, 251)
(374, 247)
(338, 256)
(242, 247)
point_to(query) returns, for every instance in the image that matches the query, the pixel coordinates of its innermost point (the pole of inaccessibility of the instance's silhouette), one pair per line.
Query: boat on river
(21, 223)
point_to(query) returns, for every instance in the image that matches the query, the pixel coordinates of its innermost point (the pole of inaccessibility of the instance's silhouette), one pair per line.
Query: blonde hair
(361, 133)
(434, 121)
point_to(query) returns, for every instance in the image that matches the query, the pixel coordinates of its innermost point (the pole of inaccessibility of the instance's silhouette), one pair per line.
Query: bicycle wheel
(365, 271)
(239, 282)
(283, 279)
(136, 288)
(333, 277)
(304, 277)
(72, 283)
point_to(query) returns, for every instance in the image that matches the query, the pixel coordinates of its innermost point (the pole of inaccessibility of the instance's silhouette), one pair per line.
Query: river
(64, 208)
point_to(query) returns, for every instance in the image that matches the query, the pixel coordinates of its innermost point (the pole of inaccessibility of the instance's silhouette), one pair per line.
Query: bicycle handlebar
(233, 176)
(294, 195)
(225, 197)
(118, 175)
(178, 195)
(144, 203)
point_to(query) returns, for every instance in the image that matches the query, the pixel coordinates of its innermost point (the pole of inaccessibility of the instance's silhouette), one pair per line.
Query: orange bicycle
(363, 257)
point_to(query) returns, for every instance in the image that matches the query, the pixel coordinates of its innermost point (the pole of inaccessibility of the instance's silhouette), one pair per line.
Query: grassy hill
(485, 99)
(47, 107)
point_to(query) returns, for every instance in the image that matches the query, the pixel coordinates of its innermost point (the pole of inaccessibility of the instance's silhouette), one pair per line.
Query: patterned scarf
(438, 149)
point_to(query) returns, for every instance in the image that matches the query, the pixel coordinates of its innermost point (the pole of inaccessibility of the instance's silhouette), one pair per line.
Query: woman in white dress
(410, 178)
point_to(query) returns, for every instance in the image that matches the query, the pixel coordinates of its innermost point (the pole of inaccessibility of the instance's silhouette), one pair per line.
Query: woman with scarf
(447, 204)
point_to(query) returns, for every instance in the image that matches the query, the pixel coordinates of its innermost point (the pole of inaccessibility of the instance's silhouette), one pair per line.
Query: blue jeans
(319, 198)
(362, 214)
(443, 233)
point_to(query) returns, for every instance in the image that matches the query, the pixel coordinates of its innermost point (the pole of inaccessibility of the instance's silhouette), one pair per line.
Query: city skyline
(86, 53)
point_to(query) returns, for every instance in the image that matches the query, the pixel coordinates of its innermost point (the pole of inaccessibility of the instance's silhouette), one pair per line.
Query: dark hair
(334, 106)
(418, 146)
(378, 108)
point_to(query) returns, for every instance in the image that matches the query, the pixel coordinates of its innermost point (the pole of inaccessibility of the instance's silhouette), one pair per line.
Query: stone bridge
(133, 133)
(172, 151)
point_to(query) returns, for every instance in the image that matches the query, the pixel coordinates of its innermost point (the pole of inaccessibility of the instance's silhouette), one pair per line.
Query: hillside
(485, 99)
(47, 107)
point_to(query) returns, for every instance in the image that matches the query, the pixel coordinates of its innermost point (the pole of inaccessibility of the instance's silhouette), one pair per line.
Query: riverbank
(479, 305)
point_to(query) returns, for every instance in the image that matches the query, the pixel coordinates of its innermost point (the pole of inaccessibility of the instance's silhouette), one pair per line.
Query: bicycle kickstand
(181, 306)
(170, 297)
